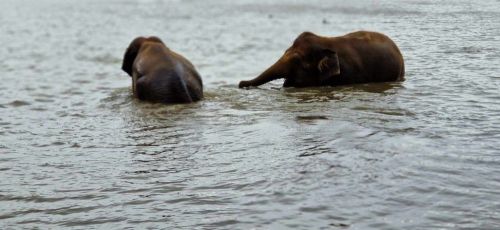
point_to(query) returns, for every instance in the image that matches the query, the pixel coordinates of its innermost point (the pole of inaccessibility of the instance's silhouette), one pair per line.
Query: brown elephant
(359, 57)
(159, 74)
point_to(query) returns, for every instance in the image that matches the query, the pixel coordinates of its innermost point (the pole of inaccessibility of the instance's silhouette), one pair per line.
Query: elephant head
(309, 62)
(130, 56)
(133, 50)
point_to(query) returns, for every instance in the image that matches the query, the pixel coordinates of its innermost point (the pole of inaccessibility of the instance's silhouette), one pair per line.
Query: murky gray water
(77, 151)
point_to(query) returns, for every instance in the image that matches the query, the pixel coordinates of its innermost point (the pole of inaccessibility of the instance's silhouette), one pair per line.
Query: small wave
(93, 221)
(18, 103)
(101, 59)
(361, 9)
(311, 117)
(465, 49)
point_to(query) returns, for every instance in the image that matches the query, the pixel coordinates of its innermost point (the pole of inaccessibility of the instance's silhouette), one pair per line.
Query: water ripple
(78, 151)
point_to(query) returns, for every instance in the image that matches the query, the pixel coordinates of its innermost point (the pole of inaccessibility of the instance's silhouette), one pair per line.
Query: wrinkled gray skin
(159, 74)
(359, 57)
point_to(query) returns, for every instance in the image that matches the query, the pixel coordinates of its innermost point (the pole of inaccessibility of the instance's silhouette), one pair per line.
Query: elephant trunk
(272, 73)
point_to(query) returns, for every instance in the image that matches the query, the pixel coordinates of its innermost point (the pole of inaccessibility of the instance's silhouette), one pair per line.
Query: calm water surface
(77, 151)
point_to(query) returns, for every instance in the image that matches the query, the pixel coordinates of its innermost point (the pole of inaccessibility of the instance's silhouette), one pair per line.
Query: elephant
(355, 58)
(160, 74)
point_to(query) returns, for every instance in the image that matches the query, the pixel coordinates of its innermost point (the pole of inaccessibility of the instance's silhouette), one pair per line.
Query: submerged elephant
(359, 57)
(159, 74)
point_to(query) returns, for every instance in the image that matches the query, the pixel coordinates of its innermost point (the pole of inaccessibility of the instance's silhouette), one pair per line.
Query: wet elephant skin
(358, 57)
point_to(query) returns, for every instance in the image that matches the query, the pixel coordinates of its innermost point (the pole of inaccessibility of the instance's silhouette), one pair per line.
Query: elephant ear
(329, 63)
(131, 54)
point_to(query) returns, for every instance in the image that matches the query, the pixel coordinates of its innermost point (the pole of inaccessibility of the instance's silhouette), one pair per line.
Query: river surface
(77, 151)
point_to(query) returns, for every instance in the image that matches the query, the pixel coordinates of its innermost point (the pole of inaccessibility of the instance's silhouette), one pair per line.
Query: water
(76, 150)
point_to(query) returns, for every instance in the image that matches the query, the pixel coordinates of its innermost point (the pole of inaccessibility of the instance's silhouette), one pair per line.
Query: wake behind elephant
(159, 74)
(359, 57)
